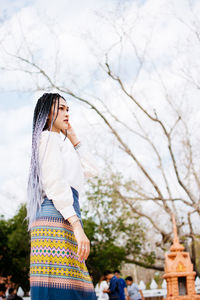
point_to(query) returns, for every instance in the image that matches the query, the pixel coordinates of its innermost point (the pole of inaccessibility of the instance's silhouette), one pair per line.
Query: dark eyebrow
(63, 105)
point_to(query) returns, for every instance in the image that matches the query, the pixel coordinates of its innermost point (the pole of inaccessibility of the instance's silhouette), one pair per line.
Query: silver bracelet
(77, 146)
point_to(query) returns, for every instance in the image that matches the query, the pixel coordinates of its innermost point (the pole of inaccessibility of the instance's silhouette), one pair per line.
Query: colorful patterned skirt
(55, 270)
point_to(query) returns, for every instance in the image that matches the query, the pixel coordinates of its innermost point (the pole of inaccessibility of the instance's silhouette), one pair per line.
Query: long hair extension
(40, 123)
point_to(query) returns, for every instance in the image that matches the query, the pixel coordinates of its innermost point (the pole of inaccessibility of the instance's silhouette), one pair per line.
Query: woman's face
(61, 122)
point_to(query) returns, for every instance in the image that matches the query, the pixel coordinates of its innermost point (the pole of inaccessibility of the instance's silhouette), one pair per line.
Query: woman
(100, 287)
(59, 246)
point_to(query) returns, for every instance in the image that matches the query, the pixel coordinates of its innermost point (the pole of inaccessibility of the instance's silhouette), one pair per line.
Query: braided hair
(40, 123)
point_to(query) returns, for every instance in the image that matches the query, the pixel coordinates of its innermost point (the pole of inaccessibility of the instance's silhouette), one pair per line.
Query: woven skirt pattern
(55, 270)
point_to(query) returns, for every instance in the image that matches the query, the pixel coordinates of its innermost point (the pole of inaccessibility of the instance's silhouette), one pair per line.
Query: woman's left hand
(70, 131)
(71, 134)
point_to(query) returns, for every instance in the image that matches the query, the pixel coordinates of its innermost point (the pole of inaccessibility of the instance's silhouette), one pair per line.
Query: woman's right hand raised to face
(81, 238)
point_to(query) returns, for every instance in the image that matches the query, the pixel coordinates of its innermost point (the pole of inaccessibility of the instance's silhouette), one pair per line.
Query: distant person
(100, 287)
(113, 290)
(123, 293)
(2, 291)
(133, 290)
(12, 295)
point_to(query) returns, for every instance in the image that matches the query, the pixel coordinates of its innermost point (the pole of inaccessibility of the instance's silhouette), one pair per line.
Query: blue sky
(14, 99)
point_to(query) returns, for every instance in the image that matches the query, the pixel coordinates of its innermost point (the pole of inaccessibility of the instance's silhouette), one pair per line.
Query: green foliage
(5, 255)
(197, 245)
(104, 253)
(116, 234)
(15, 248)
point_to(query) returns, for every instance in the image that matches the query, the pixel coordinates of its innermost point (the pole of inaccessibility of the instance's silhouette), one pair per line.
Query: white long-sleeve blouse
(63, 167)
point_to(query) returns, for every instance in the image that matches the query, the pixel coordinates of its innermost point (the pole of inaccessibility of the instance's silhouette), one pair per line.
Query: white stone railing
(152, 293)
